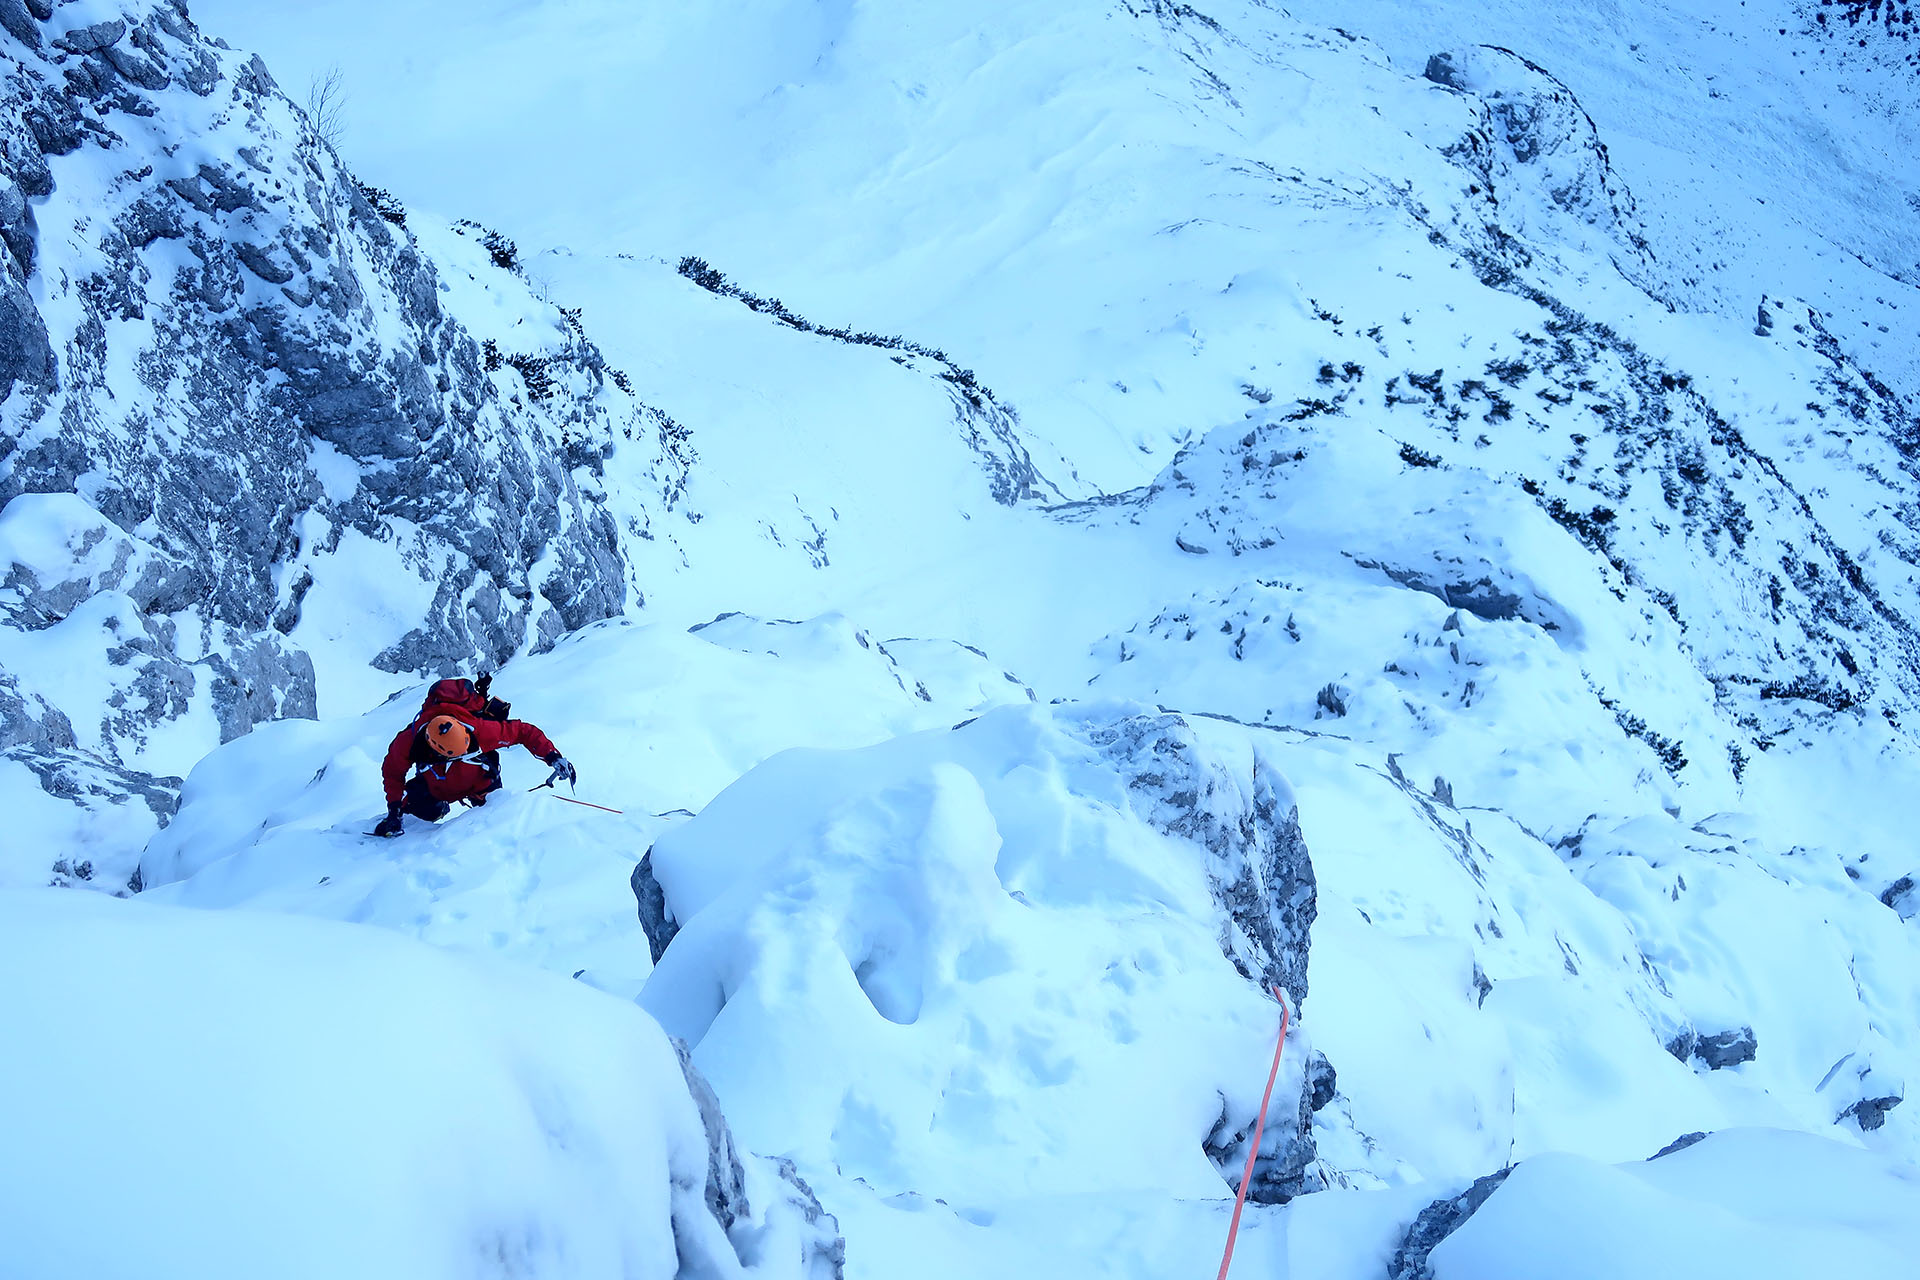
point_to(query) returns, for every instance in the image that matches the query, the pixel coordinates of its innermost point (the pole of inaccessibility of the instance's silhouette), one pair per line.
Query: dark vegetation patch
(503, 251)
(384, 203)
(714, 281)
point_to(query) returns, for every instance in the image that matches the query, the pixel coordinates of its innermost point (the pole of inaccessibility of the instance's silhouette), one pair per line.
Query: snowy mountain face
(1104, 509)
(242, 424)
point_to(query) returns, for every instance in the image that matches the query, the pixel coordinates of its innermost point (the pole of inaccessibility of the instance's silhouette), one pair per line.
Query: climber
(454, 744)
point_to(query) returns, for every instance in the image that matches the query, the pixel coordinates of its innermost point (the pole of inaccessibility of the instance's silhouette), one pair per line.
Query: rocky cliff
(240, 419)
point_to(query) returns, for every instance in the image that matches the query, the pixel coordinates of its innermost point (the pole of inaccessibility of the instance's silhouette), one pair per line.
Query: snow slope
(929, 965)
(245, 1094)
(1154, 418)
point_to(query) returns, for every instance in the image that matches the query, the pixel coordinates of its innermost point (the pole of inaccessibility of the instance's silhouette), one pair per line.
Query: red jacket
(475, 773)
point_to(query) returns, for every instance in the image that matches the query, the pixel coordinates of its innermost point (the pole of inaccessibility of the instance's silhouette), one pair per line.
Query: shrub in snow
(502, 250)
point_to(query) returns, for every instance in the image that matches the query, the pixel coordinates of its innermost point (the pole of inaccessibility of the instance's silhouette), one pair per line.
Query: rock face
(1531, 124)
(1717, 1050)
(1680, 1143)
(824, 1252)
(1263, 887)
(1871, 1113)
(926, 875)
(655, 920)
(1436, 1222)
(1903, 897)
(1261, 875)
(236, 393)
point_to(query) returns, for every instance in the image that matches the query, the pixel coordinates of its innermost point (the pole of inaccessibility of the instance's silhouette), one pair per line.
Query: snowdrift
(253, 1095)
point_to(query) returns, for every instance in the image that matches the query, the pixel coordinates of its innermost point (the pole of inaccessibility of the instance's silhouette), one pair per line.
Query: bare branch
(326, 105)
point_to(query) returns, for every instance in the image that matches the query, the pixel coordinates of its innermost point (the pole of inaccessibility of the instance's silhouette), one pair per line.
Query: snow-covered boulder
(250, 1095)
(949, 963)
(1756, 1203)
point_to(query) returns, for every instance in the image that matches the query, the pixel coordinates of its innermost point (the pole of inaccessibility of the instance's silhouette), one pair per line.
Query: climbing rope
(586, 803)
(1259, 1126)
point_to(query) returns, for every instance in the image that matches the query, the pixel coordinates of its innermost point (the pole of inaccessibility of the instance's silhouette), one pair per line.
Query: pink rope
(1259, 1126)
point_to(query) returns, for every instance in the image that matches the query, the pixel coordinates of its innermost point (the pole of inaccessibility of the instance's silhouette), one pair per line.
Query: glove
(389, 825)
(563, 770)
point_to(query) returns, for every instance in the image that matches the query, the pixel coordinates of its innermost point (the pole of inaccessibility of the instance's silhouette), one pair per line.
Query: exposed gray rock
(94, 38)
(725, 1194)
(1871, 1113)
(1726, 1048)
(18, 23)
(31, 721)
(1720, 1049)
(1436, 1222)
(1533, 131)
(1261, 874)
(16, 225)
(91, 782)
(1481, 596)
(1680, 1143)
(1263, 885)
(726, 1191)
(826, 1253)
(1323, 1085)
(1903, 897)
(282, 318)
(26, 357)
(657, 922)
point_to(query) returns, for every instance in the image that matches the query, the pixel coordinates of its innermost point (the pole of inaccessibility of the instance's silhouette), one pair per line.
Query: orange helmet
(448, 737)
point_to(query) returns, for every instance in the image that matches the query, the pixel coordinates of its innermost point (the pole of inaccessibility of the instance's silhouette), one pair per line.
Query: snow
(1747, 1202)
(931, 948)
(966, 953)
(529, 877)
(248, 1093)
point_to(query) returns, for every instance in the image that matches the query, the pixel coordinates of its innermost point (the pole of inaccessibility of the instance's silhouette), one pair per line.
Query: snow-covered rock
(1751, 1202)
(1555, 545)
(968, 948)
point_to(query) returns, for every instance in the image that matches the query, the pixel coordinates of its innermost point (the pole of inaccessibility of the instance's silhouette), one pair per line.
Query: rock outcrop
(1264, 890)
(823, 1250)
(1436, 1222)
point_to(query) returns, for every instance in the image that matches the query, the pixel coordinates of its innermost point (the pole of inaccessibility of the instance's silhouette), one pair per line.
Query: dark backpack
(474, 697)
